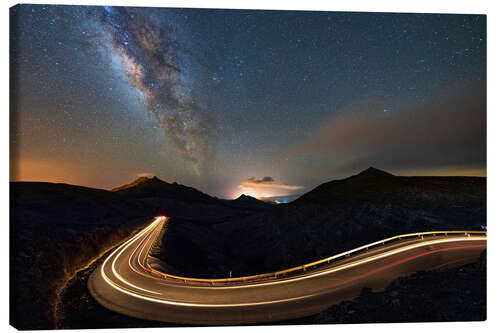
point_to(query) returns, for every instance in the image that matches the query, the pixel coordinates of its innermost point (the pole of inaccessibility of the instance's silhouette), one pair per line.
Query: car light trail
(125, 271)
(335, 269)
(121, 249)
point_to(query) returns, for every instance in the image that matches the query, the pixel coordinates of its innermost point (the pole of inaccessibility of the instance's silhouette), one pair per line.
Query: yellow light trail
(309, 275)
(122, 249)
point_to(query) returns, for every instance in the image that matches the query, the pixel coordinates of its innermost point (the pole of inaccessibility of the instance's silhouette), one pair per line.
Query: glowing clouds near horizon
(445, 135)
(265, 187)
(149, 58)
(144, 174)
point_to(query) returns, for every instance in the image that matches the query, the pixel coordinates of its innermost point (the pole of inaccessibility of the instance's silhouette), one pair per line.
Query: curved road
(125, 283)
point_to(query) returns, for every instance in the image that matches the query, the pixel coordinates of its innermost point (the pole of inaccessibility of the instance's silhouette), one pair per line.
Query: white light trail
(309, 275)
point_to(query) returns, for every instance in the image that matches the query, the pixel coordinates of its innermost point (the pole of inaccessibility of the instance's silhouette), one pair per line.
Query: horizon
(261, 198)
(235, 102)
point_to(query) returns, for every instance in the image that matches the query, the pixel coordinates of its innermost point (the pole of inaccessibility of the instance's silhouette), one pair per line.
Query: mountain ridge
(377, 185)
(136, 182)
(145, 187)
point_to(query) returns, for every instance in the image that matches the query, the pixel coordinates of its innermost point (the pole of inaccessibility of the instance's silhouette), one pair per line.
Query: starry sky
(265, 103)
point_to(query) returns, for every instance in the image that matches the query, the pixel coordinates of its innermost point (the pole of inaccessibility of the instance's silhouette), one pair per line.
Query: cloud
(447, 131)
(145, 174)
(266, 179)
(267, 182)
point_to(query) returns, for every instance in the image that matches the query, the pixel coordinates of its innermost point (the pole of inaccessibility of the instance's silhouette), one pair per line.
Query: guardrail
(302, 268)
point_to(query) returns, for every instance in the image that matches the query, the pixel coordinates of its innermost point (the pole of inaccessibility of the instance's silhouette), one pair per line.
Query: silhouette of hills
(249, 201)
(144, 187)
(135, 183)
(57, 228)
(342, 214)
(374, 185)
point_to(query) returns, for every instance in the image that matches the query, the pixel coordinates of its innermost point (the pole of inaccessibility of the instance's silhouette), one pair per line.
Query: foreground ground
(57, 228)
(450, 295)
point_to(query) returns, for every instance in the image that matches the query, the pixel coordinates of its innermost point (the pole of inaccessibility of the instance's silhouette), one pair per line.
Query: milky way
(149, 58)
(209, 98)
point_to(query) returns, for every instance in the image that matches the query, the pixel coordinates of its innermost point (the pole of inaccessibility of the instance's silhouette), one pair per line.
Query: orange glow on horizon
(38, 170)
(444, 172)
(90, 175)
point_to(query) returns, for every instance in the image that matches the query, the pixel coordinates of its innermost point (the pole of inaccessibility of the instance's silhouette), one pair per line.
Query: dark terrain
(334, 217)
(56, 229)
(449, 295)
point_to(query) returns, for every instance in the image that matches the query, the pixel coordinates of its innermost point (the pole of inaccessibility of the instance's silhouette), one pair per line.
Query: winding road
(125, 283)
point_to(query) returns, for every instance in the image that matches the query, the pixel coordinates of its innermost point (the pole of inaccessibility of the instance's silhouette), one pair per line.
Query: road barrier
(315, 264)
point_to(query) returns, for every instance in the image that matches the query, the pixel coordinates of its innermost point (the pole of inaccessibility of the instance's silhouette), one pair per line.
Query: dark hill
(377, 186)
(57, 228)
(246, 198)
(334, 217)
(248, 201)
(58, 203)
(135, 183)
(343, 214)
(154, 187)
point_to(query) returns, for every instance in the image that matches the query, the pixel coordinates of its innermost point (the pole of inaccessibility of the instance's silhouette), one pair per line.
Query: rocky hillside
(133, 184)
(451, 295)
(334, 217)
(248, 201)
(57, 228)
(377, 186)
(154, 187)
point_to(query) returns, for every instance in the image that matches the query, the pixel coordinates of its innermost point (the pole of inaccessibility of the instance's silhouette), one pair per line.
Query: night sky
(232, 101)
